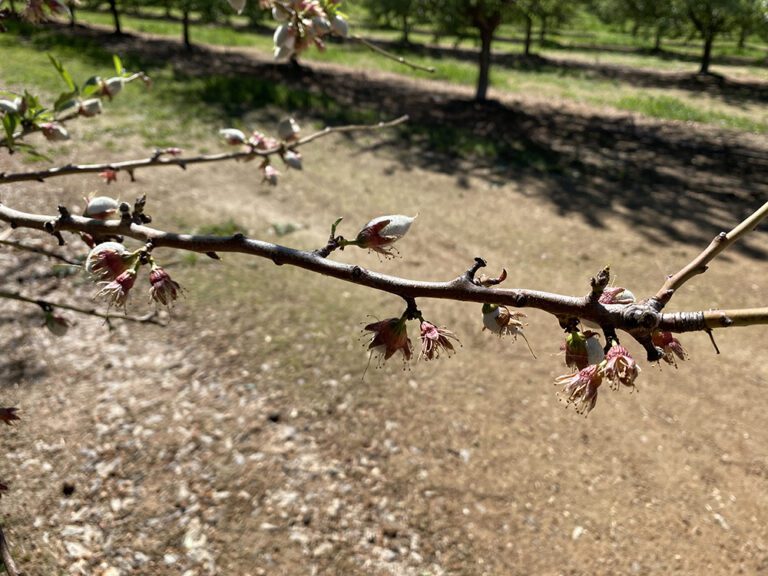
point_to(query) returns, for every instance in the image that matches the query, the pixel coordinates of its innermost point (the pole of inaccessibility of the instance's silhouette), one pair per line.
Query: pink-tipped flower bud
(380, 233)
(164, 289)
(101, 207)
(107, 261)
(233, 136)
(270, 174)
(292, 159)
(90, 108)
(54, 132)
(288, 129)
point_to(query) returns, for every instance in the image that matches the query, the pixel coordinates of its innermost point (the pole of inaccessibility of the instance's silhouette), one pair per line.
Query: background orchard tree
(661, 18)
(482, 16)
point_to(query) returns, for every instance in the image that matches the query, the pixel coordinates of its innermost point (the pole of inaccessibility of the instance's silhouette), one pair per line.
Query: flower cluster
(302, 23)
(391, 335)
(287, 135)
(583, 352)
(38, 10)
(116, 269)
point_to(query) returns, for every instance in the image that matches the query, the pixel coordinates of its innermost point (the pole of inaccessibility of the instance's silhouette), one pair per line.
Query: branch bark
(159, 160)
(699, 264)
(639, 319)
(5, 554)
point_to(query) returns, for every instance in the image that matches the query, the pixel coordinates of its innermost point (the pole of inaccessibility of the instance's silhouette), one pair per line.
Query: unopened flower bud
(90, 107)
(279, 14)
(233, 136)
(339, 26)
(288, 129)
(292, 159)
(237, 5)
(321, 25)
(9, 107)
(380, 233)
(102, 207)
(271, 174)
(112, 87)
(284, 36)
(54, 132)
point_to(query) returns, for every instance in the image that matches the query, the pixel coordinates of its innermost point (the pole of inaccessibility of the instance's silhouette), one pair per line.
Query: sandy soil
(243, 438)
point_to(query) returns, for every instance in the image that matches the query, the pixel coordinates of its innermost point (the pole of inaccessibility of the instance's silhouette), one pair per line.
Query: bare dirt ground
(243, 439)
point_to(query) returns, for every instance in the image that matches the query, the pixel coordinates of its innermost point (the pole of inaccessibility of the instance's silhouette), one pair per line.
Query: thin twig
(159, 160)
(150, 318)
(38, 250)
(699, 264)
(5, 554)
(386, 54)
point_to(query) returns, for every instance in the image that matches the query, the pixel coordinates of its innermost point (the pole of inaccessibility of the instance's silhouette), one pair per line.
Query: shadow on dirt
(670, 181)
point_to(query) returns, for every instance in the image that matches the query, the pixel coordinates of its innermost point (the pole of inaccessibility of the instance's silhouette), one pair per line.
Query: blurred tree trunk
(543, 31)
(528, 34)
(706, 57)
(185, 28)
(115, 16)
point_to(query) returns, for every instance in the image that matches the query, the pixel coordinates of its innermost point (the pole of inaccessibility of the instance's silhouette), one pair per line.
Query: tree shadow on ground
(670, 181)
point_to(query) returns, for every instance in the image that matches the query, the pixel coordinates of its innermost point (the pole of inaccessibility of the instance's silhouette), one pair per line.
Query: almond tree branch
(159, 159)
(386, 54)
(38, 250)
(5, 554)
(48, 305)
(639, 319)
(699, 264)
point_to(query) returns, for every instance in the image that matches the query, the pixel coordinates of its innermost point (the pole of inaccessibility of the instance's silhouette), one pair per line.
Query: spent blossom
(620, 368)
(380, 233)
(109, 176)
(580, 388)
(389, 336)
(670, 346)
(116, 292)
(8, 415)
(54, 132)
(616, 295)
(164, 289)
(434, 340)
